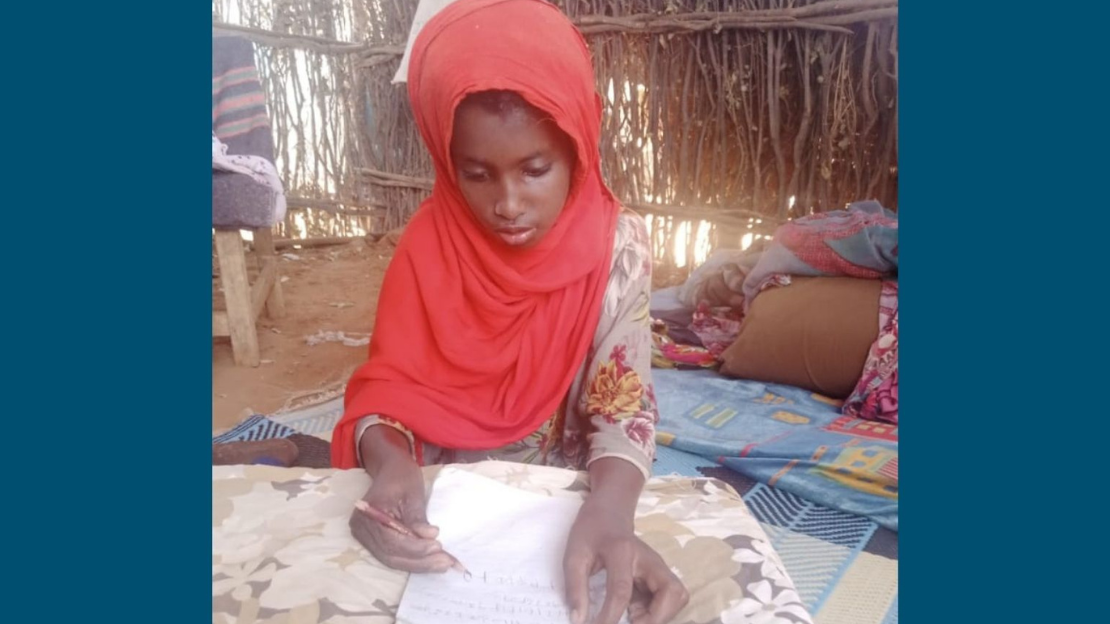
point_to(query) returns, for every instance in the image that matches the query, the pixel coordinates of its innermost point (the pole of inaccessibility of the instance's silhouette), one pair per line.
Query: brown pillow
(814, 334)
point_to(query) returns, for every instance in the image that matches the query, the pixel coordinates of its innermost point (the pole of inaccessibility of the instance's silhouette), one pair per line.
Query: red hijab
(476, 343)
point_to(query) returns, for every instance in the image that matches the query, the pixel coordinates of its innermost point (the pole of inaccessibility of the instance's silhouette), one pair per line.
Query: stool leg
(237, 294)
(264, 247)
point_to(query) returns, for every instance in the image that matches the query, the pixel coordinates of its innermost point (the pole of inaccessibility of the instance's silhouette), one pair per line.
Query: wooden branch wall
(772, 108)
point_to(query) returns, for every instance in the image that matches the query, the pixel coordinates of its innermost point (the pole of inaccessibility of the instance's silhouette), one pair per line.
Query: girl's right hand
(398, 490)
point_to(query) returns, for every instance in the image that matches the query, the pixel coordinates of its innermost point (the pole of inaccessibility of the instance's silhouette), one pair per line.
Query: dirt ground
(326, 289)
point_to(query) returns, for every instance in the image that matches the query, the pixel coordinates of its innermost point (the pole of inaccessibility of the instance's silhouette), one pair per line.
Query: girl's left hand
(602, 540)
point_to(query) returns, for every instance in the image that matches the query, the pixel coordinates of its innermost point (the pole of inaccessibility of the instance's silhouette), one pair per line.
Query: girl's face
(514, 170)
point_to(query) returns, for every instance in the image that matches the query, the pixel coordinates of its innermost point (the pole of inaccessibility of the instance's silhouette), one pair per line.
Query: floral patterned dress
(610, 410)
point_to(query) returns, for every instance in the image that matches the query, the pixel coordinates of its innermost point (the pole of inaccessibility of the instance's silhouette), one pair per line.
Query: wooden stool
(244, 301)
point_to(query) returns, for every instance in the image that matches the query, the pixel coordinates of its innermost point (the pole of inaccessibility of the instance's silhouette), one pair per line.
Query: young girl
(513, 319)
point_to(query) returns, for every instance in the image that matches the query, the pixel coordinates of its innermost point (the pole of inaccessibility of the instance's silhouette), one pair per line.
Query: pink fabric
(876, 394)
(860, 241)
(716, 327)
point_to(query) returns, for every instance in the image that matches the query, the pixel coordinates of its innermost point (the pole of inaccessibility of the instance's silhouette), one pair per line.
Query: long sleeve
(613, 400)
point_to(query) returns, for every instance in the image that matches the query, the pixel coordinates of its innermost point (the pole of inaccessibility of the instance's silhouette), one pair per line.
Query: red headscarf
(475, 343)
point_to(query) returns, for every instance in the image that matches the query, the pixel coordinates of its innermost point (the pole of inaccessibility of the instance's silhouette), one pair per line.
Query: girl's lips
(516, 235)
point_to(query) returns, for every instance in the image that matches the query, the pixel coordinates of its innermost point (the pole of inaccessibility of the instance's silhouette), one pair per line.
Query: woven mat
(312, 451)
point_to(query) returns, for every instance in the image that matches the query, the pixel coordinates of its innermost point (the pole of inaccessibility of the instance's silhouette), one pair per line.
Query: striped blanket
(239, 116)
(241, 199)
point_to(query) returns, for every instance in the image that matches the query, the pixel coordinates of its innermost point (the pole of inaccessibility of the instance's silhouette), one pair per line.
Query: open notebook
(512, 541)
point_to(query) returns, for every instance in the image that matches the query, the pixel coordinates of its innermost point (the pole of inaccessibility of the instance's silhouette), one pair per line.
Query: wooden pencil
(389, 521)
(383, 518)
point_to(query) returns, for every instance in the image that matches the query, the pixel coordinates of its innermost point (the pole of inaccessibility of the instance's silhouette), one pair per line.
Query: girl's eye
(535, 172)
(475, 176)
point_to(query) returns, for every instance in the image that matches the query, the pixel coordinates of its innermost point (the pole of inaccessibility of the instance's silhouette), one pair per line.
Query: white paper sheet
(512, 542)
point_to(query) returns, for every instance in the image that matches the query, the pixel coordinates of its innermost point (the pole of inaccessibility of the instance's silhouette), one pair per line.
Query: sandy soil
(326, 289)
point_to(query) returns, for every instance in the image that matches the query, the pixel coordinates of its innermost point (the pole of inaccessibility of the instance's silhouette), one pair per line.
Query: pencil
(383, 518)
(389, 521)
